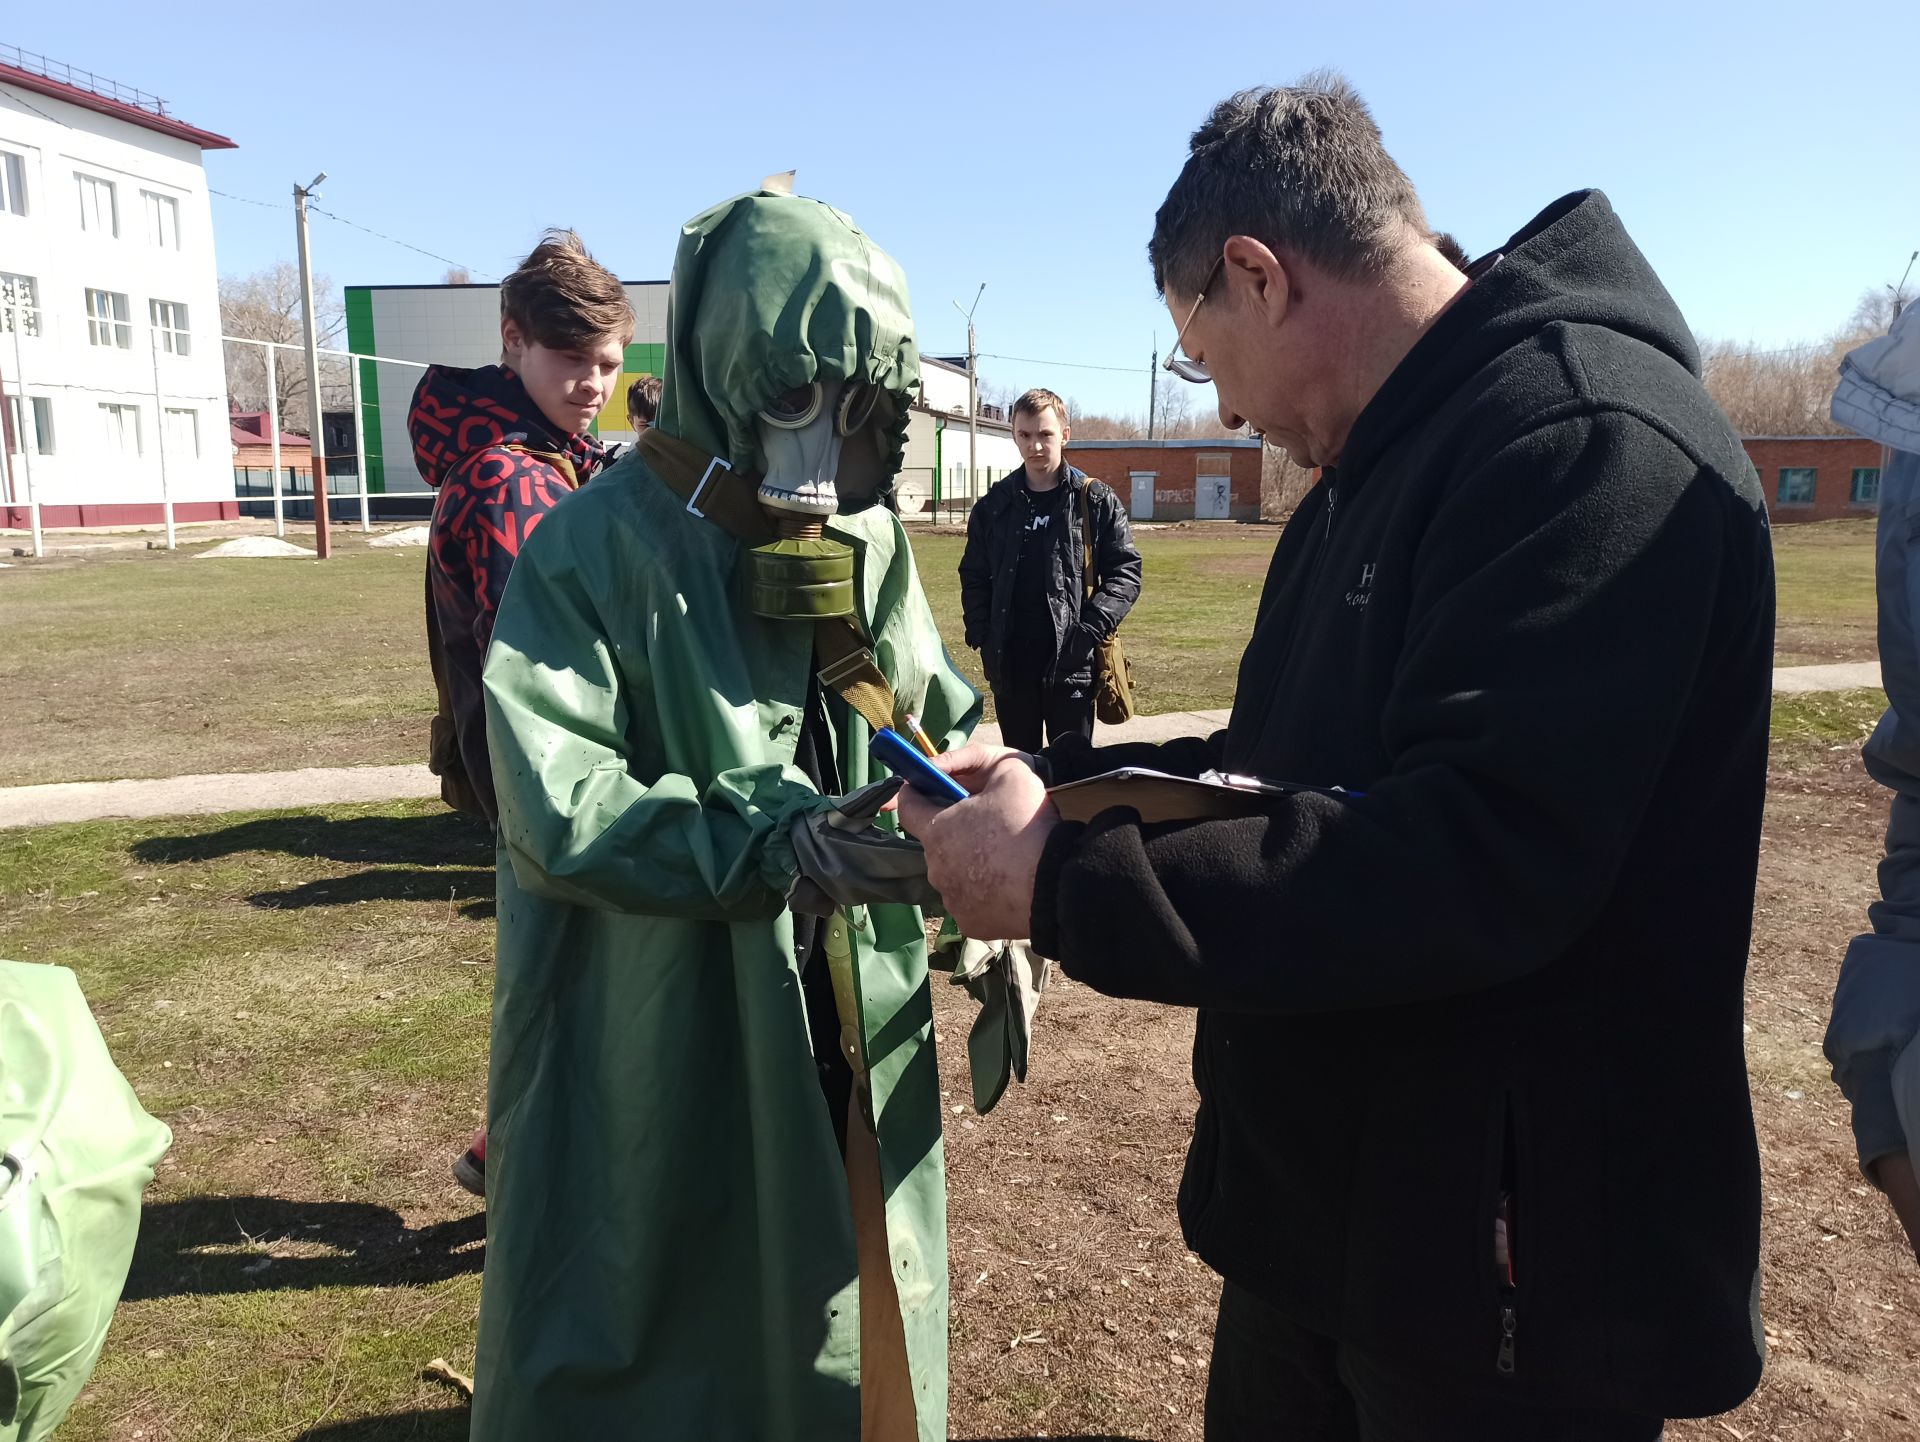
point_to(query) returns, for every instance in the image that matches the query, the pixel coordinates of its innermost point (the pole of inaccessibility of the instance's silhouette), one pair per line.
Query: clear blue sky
(1762, 154)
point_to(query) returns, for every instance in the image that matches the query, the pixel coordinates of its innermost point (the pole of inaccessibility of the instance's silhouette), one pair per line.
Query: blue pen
(903, 759)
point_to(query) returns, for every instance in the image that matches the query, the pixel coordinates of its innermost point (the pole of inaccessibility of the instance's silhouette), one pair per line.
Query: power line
(244, 200)
(379, 235)
(404, 245)
(1069, 365)
(34, 108)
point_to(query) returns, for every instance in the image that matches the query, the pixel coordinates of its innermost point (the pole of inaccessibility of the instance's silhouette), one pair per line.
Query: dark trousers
(1024, 703)
(1273, 1381)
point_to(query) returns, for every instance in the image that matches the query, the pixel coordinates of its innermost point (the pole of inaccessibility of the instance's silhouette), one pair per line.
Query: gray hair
(1301, 169)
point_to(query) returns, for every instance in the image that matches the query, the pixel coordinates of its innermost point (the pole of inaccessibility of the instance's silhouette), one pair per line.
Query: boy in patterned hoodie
(504, 444)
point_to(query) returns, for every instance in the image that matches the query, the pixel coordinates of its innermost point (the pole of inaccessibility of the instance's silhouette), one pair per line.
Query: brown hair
(1300, 169)
(562, 298)
(1036, 403)
(643, 398)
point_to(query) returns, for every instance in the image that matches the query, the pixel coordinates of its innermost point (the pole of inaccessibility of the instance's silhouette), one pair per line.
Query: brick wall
(1832, 459)
(1175, 468)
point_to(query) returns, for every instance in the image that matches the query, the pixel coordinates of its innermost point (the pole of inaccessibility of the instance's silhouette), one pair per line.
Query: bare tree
(1098, 426)
(265, 306)
(457, 275)
(1282, 483)
(1786, 391)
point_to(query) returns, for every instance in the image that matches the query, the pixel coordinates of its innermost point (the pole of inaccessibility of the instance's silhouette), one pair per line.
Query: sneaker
(470, 1171)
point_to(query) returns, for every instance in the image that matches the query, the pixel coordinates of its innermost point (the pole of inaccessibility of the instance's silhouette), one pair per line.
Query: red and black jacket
(500, 467)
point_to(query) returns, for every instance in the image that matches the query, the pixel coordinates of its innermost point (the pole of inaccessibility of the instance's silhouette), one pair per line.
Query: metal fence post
(160, 433)
(273, 419)
(27, 442)
(360, 446)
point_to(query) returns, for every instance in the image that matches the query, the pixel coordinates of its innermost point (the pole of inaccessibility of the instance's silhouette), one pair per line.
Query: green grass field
(304, 997)
(147, 663)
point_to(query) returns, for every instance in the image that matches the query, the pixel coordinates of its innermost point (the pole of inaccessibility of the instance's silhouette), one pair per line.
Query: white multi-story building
(115, 393)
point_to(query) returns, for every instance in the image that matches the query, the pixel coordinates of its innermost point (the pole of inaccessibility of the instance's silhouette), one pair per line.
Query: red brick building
(1210, 480)
(253, 445)
(1817, 478)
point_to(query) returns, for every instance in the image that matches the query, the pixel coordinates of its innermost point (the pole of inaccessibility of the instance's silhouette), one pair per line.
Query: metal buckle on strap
(693, 501)
(847, 667)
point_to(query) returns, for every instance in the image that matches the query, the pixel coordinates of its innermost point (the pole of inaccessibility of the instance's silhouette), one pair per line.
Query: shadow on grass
(447, 1425)
(204, 1245)
(443, 839)
(474, 887)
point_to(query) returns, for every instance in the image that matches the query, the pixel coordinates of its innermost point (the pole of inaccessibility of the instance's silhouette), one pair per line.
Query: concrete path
(272, 790)
(1844, 676)
(279, 790)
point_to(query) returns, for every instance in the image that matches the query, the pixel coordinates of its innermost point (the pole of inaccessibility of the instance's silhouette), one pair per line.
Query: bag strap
(1086, 534)
(716, 492)
(559, 460)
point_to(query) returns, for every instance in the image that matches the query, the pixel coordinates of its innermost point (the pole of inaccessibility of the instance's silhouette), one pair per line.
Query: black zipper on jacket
(1506, 1221)
(1509, 1323)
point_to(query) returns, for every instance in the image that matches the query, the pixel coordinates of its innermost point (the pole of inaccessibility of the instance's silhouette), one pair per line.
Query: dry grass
(153, 664)
(303, 998)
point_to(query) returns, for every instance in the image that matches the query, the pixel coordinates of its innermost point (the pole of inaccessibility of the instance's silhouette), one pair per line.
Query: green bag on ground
(76, 1151)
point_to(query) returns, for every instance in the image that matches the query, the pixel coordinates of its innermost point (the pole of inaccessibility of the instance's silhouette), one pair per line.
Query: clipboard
(1159, 796)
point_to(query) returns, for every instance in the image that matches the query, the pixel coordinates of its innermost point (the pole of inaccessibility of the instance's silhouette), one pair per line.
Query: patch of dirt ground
(1077, 1310)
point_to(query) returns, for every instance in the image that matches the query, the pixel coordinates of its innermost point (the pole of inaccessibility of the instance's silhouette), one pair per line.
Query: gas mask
(823, 446)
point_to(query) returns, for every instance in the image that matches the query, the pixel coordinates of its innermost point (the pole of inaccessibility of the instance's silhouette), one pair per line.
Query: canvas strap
(714, 491)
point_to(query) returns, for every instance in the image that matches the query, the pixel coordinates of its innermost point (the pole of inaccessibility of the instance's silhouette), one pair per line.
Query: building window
(121, 427)
(1866, 485)
(1796, 485)
(169, 319)
(182, 435)
(99, 211)
(13, 183)
(163, 220)
(109, 321)
(42, 437)
(19, 304)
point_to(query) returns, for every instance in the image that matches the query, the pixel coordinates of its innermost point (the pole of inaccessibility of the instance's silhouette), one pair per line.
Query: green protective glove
(1006, 978)
(846, 860)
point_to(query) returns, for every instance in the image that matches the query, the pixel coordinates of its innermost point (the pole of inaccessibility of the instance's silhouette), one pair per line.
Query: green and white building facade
(459, 325)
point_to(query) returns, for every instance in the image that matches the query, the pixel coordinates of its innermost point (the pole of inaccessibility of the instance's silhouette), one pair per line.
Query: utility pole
(1900, 290)
(973, 398)
(316, 439)
(1153, 384)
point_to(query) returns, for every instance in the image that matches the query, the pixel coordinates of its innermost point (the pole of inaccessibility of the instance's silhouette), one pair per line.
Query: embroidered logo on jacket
(1363, 593)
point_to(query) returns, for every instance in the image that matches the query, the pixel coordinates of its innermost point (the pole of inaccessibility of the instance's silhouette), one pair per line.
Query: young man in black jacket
(1023, 588)
(1474, 1152)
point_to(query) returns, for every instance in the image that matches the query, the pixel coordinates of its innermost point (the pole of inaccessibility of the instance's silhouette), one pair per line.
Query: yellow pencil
(920, 737)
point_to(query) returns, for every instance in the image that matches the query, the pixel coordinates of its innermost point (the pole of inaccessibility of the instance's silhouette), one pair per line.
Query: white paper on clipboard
(1159, 796)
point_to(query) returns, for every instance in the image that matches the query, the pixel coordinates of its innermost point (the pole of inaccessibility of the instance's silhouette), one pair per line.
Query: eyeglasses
(1192, 370)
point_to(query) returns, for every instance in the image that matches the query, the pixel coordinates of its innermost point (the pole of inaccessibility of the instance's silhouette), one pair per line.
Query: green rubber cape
(78, 1152)
(670, 1249)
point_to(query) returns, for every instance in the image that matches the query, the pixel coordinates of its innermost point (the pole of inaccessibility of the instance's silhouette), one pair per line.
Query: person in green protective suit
(717, 1201)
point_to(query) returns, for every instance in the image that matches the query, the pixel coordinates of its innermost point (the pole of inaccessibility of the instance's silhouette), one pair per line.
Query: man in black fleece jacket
(1474, 1152)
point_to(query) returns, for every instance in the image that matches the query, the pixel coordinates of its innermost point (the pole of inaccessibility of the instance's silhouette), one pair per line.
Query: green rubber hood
(774, 291)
